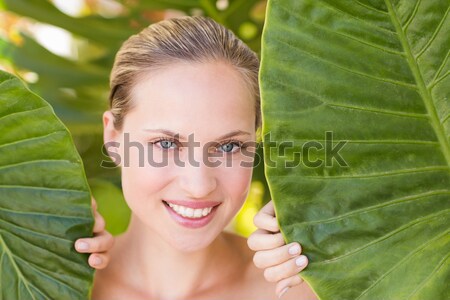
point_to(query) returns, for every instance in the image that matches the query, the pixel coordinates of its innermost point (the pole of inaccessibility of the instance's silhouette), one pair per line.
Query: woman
(184, 118)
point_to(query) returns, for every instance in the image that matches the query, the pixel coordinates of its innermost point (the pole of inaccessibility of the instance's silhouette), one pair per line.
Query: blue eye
(228, 147)
(165, 143)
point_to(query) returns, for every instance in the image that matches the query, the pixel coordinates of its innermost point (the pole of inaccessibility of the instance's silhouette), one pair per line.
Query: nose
(198, 179)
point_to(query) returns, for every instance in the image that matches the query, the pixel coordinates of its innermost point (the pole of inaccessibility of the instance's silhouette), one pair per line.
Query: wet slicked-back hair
(185, 39)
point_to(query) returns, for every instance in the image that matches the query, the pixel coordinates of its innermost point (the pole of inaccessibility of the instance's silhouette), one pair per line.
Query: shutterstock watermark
(288, 153)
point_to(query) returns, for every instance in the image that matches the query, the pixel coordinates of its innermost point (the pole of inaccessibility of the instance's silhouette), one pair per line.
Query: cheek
(142, 183)
(237, 182)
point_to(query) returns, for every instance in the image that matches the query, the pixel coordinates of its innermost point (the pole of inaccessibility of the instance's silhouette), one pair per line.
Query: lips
(190, 222)
(193, 204)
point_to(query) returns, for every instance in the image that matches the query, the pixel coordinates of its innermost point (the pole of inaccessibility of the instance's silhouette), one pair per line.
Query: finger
(277, 256)
(99, 260)
(102, 242)
(264, 240)
(99, 223)
(93, 204)
(269, 209)
(286, 269)
(266, 222)
(265, 218)
(284, 284)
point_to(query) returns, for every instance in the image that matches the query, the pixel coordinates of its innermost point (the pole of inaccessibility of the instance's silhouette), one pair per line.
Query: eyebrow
(174, 134)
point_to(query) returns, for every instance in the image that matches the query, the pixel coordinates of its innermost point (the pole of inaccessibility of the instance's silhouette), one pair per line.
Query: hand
(99, 245)
(281, 262)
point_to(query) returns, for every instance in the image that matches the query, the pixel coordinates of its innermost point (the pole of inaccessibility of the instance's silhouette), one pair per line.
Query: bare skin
(230, 274)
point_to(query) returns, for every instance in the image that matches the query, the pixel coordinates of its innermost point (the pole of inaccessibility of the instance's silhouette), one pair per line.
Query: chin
(192, 243)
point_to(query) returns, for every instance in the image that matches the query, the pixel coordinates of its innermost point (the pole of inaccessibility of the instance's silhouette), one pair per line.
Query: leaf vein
(435, 270)
(7, 80)
(43, 188)
(31, 232)
(339, 33)
(371, 8)
(438, 80)
(32, 138)
(435, 33)
(351, 71)
(401, 261)
(411, 17)
(18, 271)
(42, 271)
(37, 246)
(383, 174)
(425, 93)
(440, 68)
(399, 142)
(382, 111)
(24, 163)
(370, 109)
(28, 213)
(445, 119)
(23, 112)
(406, 226)
(335, 9)
(388, 203)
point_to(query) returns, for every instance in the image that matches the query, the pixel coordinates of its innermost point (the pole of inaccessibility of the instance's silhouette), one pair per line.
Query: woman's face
(187, 206)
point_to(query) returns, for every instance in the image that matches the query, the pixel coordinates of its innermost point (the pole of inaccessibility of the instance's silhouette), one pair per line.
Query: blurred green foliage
(77, 88)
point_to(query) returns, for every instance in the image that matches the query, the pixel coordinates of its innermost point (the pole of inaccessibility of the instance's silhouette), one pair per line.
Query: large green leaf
(107, 31)
(375, 73)
(44, 201)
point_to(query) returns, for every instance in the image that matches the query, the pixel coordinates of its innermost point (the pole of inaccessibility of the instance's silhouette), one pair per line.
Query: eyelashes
(237, 143)
(165, 139)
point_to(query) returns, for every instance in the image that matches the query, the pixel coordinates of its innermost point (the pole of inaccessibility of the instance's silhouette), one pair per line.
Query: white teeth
(190, 212)
(181, 209)
(198, 213)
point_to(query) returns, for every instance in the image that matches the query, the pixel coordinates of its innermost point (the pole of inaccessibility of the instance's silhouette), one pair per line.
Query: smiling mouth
(189, 212)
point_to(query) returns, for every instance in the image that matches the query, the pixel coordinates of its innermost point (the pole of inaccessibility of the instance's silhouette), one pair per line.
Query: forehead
(193, 97)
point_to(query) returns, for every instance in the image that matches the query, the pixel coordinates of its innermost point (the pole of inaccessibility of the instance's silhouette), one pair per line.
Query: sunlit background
(64, 50)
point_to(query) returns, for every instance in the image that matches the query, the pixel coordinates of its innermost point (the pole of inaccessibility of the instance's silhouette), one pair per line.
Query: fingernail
(82, 246)
(294, 249)
(283, 292)
(301, 261)
(96, 261)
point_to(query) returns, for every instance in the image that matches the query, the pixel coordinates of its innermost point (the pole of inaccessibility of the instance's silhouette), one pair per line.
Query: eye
(165, 143)
(229, 146)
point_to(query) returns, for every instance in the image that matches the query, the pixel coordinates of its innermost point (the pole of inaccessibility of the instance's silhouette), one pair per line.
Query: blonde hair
(192, 39)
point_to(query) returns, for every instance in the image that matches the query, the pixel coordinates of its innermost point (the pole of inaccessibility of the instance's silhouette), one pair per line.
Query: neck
(163, 272)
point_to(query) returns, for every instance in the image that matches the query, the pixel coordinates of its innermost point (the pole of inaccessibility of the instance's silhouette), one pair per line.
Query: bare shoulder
(108, 282)
(254, 283)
